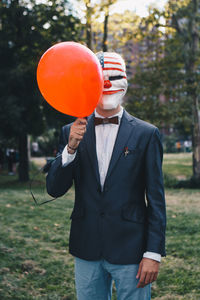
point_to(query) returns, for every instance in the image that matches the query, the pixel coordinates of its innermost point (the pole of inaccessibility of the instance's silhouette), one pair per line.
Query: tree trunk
(105, 33)
(196, 141)
(88, 24)
(23, 158)
(196, 118)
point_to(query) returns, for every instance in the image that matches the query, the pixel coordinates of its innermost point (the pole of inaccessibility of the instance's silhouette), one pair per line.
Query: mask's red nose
(107, 84)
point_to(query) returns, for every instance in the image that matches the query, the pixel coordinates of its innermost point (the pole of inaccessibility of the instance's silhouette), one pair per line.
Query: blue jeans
(93, 281)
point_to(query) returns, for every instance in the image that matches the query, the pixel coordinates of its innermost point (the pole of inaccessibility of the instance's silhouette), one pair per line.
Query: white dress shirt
(105, 139)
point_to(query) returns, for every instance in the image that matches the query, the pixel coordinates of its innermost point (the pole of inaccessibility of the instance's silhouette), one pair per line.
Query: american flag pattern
(114, 71)
(115, 81)
(114, 65)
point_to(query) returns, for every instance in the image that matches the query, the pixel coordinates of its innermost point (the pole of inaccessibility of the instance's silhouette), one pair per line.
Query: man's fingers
(139, 271)
(82, 121)
(79, 128)
(77, 136)
(148, 272)
(155, 275)
(77, 132)
(139, 275)
(151, 278)
(141, 283)
(148, 278)
(80, 132)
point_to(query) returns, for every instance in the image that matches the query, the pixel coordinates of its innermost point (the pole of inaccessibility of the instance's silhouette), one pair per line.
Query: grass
(179, 276)
(178, 165)
(35, 263)
(34, 240)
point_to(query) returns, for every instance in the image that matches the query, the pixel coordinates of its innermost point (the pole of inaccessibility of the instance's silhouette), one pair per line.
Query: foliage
(173, 183)
(95, 10)
(48, 142)
(27, 29)
(169, 143)
(157, 91)
(26, 32)
(186, 23)
(165, 89)
(169, 181)
(191, 183)
(121, 30)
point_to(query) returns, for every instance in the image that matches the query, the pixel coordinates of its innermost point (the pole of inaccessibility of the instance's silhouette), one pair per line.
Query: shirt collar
(119, 114)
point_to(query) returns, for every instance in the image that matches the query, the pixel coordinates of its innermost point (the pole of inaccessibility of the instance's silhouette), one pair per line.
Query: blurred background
(159, 41)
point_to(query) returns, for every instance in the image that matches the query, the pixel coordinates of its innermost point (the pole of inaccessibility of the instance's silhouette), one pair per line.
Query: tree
(183, 16)
(105, 7)
(165, 87)
(26, 31)
(88, 15)
(93, 10)
(147, 88)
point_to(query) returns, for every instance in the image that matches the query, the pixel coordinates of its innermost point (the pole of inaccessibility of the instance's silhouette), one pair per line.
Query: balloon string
(45, 169)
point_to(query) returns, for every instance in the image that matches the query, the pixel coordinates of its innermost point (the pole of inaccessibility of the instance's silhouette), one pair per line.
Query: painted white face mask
(115, 82)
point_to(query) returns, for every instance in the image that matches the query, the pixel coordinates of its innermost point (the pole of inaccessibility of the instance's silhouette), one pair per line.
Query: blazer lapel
(90, 142)
(125, 129)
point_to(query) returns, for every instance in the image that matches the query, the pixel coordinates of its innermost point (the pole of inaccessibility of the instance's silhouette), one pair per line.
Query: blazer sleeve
(59, 179)
(156, 210)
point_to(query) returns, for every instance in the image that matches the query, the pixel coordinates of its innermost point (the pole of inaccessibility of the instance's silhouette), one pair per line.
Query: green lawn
(35, 263)
(178, 165)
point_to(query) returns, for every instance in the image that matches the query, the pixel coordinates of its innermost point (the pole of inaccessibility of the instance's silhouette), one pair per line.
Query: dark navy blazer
(127, 217)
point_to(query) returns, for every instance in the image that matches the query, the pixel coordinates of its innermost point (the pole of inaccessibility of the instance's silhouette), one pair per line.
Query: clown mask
(115, 82)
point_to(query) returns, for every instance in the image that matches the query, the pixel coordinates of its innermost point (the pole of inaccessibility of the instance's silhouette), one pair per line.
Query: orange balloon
(70, 78)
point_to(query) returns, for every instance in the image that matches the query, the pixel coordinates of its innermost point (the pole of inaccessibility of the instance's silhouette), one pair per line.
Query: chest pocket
(129, 154)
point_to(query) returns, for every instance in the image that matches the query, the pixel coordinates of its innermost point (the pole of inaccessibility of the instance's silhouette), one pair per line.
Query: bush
(169, 143)
(169, 181)
(48, 143)
(191, 183)
(172, 182)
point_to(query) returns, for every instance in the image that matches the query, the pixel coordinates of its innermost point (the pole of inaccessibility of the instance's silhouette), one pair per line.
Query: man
(118, 221)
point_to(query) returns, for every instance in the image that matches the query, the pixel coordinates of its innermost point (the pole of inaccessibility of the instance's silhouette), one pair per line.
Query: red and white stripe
(113, 64)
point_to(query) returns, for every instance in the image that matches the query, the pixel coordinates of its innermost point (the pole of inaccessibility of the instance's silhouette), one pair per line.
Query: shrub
(172, 182)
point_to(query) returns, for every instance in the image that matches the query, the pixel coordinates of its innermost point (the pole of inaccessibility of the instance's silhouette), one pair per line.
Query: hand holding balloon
(77, 132)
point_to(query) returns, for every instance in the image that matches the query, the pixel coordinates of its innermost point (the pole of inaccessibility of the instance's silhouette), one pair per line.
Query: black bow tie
(99, 121)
